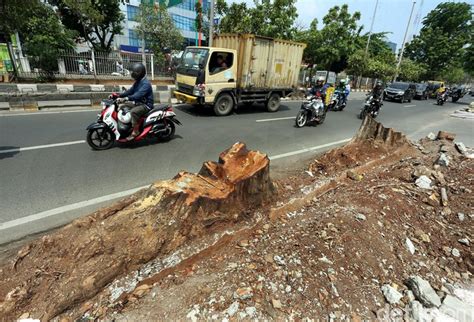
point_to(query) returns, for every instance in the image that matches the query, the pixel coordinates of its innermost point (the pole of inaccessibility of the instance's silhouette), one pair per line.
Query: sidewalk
(37, 96)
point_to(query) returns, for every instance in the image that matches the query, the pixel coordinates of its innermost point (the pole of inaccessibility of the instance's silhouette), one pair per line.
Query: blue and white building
(183, 15)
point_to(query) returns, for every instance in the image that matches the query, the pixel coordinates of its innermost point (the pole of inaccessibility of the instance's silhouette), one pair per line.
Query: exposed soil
(229, 243)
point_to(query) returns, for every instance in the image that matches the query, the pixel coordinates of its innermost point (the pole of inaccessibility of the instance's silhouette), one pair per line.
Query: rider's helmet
(138, 71)
(343, 82)
(378, 84)
(320, 80)
(124, 116)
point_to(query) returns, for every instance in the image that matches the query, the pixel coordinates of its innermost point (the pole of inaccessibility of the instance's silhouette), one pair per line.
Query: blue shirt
(140, 92)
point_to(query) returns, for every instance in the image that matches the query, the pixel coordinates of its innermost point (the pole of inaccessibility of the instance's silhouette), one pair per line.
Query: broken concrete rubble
(423, 292)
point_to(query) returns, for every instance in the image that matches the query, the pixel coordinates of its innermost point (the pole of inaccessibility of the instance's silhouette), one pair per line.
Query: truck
(239, 68)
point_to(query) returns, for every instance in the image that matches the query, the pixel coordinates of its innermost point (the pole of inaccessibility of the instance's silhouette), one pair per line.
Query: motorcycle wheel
(171, 128)
(455, 99)
(100, 139)
(301, 119)
(362, 114)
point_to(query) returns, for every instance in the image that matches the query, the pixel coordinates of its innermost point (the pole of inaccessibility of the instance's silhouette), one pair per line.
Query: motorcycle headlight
(103, 105)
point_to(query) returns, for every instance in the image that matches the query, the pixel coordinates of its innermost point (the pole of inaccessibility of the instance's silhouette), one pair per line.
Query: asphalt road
(34, 183)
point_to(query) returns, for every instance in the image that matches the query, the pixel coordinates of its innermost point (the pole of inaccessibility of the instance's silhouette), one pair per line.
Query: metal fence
(92, 64)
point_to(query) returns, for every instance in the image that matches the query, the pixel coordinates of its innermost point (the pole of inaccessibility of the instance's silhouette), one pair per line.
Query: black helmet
(378, 83)
(138, 71)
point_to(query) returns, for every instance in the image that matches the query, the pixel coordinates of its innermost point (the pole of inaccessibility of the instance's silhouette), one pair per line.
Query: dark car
(400, 91)
(422, 91)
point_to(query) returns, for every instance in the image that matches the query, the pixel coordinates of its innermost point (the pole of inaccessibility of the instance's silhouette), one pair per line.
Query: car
(400, 91)
(422, 91)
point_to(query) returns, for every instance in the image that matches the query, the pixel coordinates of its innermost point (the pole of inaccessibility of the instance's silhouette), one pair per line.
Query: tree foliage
(41, 32)
(96, 21)
(271, 18)
(446, 31)
(332, 46)
(411, 71)
(160, 32)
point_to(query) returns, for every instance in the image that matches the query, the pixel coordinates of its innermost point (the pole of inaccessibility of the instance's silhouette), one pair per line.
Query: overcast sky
(392, 15)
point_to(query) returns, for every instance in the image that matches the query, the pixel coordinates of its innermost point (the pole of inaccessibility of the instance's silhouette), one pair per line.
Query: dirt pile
(56, 272)
(380, 227)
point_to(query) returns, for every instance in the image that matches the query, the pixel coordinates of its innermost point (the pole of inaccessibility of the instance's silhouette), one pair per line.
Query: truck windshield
(191, 59)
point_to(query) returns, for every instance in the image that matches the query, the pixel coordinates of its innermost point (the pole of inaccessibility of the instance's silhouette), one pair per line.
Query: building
(392, 46)
(183, 15)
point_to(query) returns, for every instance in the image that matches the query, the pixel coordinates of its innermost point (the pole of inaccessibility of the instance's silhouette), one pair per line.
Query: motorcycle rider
(342, 87)
(377, 93)
(319, 86)
(139, 97)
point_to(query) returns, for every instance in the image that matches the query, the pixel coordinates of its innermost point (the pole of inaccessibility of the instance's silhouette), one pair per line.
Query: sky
(392, 15)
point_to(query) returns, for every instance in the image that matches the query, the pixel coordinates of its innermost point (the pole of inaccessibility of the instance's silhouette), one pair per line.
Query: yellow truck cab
(239, 69)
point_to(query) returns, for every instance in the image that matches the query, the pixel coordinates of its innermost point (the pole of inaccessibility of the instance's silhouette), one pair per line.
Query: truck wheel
(273, 103)
(224, 105)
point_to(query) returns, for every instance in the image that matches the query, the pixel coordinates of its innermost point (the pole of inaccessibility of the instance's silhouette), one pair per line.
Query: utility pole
(211, 24)
(403, 43)
(368, 39)
(371, 27)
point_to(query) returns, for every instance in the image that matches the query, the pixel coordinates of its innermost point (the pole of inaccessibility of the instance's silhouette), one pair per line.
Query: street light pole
(211, 24)
(403, 43)
(371, 26)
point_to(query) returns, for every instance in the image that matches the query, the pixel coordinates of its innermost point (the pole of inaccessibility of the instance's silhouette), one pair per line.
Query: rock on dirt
(423, 292)
(423, 182)
(457, 309)
(410, 246)
(391, 295)
(443, 135)
(443, 160)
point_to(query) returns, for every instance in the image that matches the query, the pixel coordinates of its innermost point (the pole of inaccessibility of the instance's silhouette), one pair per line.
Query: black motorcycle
(441, 98)
(457, 94)
(312, 110)
(337, 102)
(371, 107)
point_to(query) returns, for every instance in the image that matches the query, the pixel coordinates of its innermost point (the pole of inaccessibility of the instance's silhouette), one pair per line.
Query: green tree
(442, 40)
(96, 21)
(411, 71)
(358, 63)
(338, 38)
(267, 18)
(43, 38)
(453, 75)
(160, 32)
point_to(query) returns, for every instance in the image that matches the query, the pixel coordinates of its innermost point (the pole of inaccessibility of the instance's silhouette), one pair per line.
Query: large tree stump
(373, 130)
(71, 265)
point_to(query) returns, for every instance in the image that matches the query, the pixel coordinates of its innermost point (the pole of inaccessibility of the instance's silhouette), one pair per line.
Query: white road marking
(289, 154)
(46, 146)
(277, 119)
(9, 114)
(91, 202)
(60, 210)
(409, 105)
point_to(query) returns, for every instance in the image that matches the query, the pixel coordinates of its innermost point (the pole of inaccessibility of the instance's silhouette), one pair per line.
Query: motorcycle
(441, 98)
(312, 110)
(114, 124)
(457, 94)
(371, 107)
(336, 102)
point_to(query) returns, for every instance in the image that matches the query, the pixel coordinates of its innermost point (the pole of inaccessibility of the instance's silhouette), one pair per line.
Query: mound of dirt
(338, 241)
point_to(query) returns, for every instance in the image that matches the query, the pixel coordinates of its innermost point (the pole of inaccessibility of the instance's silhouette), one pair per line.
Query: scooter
(114, 124)
(370, 107)
(441, 98)
(312, 110)
(336, 102)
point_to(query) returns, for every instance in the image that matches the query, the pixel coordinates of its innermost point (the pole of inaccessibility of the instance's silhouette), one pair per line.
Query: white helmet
(320, 78)
(124, 116)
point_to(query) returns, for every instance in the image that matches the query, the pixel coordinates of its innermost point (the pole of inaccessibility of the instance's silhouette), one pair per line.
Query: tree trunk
(74, 263)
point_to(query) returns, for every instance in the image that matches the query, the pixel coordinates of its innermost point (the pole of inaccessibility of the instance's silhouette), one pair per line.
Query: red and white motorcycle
(115, 125)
